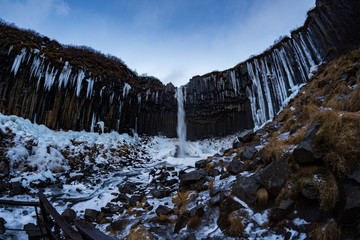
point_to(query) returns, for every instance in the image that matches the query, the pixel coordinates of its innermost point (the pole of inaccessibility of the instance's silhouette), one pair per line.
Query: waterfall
(181, 126)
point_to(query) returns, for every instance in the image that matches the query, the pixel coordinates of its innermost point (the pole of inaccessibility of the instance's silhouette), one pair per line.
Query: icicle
(11, 48)
(265, 72)
(65, 75)
(112, 98)
(300, 59)
(259, 114)
(49, 77)
(18, 60)
(93, 120)
(126, 90)
(89, 87)
(234, 81)
(147, 94)
(139, 98)
(307, 52)
(80, 78)
(317, 53)
(101, 91)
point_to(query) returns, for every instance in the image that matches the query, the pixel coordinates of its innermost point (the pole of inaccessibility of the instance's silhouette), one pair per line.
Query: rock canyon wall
(56, 85)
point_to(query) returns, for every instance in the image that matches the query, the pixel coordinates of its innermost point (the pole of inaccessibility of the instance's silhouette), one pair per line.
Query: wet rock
(255, 163)
(273, 176)
(200, 164)
(112, 208)
(305, 152)
(128, 187)
(191, 177)
(237, 144)
(2, 226)
(160, 193)
(69, 215)
(214, 191)
(215, 200)
(163, 210)
(245, 188)
(103, 218)
(352, 202)
(281, 212)
(248, 153)
(90, 215)
(236, 166)
(214, 172)
(171, 182)
(199, 185)
(246, 136)
(135, 199)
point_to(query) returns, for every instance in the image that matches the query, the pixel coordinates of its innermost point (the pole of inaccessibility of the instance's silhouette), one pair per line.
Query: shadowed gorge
(78, 89)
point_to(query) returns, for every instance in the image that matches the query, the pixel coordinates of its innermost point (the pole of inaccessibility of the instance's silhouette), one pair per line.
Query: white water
(181, 126)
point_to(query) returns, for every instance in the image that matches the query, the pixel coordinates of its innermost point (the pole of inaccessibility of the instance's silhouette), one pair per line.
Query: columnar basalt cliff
(70, 88)
(253, 92)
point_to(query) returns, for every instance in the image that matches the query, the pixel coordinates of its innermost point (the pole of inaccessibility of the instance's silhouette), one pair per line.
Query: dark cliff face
(253, 92)
(74, 89)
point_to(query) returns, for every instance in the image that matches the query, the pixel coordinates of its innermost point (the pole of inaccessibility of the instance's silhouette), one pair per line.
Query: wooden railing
(51, 217)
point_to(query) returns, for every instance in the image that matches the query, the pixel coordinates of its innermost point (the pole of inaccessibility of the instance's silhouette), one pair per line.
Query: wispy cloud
(32, 13)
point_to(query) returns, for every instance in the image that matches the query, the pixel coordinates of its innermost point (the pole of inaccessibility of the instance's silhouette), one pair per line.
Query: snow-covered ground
(39, 154)
(83, 170)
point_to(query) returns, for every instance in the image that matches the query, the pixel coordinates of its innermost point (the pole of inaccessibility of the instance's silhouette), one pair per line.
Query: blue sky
(172, 40)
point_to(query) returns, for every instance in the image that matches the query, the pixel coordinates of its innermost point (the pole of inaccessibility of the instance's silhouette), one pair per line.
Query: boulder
(128, 187)
(282, 211)
(160, 193)
(248, 153)
(191, 177)
(236, 166)
(355, 175)
(16, 188)
(246, 136)
(199, 185)
(245, 188)
(112, 208)
(69, 215)
(214, 172)
(135, 199)
(237, 144)
(200, 164)
(305, 152)
(351, 209)
(171, 182)
(91, 215)
(163, 210)
(255, 163)
(273, 176)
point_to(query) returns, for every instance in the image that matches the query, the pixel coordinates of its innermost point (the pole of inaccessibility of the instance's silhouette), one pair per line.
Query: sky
(172, 40)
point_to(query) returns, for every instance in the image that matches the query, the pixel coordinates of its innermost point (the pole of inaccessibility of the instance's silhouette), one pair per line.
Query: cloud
(32, 13)
(61, 8)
